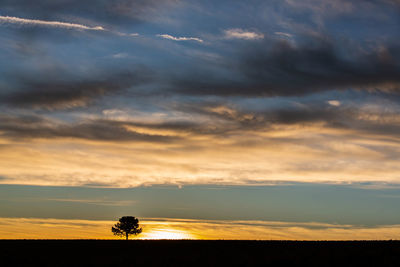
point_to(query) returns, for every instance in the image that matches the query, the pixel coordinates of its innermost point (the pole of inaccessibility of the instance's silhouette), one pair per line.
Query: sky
(278, 117)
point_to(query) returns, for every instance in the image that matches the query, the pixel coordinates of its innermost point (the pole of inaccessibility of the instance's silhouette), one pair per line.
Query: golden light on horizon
(167, 234)
(42, 228)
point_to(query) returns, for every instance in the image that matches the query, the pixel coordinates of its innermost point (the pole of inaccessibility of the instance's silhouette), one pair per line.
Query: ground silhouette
(197, 253)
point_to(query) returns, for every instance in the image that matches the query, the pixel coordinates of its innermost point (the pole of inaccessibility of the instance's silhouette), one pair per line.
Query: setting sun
(167, 234)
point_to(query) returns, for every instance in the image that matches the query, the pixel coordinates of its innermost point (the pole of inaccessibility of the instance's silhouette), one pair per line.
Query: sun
(167, 234)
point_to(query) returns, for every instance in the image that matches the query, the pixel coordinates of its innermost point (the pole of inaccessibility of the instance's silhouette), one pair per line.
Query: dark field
(197, 253)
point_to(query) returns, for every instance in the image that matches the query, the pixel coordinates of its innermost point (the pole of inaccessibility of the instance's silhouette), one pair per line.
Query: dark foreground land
(197, 253)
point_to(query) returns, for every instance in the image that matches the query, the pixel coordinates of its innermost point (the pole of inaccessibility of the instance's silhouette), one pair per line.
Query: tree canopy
(127, 225)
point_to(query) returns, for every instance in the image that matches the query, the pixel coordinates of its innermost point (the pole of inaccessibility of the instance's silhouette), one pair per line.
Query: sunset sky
(278, 118)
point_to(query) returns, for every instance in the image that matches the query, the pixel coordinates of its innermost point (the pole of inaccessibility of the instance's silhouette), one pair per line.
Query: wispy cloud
(243, 34)
(101, 202)
(18, 228)
(56, 24)
(170, 37)
(128, 34)
(334, 103)
(284, 34)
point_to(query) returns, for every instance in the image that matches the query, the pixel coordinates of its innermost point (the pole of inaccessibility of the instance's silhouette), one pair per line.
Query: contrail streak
(57, 24)
(170, 37)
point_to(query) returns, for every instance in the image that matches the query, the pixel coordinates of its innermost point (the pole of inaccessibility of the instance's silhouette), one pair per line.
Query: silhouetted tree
(127, 225)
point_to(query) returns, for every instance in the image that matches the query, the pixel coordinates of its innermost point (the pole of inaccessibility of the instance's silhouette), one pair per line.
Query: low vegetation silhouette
(175, 253)
(127, 225)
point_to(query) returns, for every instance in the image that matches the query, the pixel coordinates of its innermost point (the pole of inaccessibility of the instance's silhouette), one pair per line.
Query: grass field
(197, 253)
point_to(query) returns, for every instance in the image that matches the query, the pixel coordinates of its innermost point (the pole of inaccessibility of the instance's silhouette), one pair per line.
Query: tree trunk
(126, 236)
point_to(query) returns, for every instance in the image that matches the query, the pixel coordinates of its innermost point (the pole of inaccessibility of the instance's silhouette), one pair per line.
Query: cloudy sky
(287, 109)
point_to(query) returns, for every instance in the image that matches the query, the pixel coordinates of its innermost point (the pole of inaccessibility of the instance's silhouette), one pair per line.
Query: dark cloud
(66, 92)
(307, 115)
(221, 122)
(291, 70)
(287, 69)
(31, 127)
(226, 120)
(179, 126)
(255, 119)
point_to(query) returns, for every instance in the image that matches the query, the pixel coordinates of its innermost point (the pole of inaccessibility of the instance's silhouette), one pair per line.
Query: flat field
(197, 253)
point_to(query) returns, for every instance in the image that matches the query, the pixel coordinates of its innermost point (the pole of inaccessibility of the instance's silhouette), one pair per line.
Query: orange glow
(167, 234)
(349, 157)
(35, 228)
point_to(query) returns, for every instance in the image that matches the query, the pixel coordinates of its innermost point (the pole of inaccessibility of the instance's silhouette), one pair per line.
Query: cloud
(6, 20)
(289, 69)
(33, 127)
(100, 202)
(226, 120)
(282, 68)
(33, 228)
(113, 13)
(170, 37)
(131, 34)
(284, 34)
(340, 7)
(56, 24)
(334, 103)
(72, 228)
(274, 230)
(200, 110)
(243, 34)
(206, 120)
(64, 91)
(204, 143)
